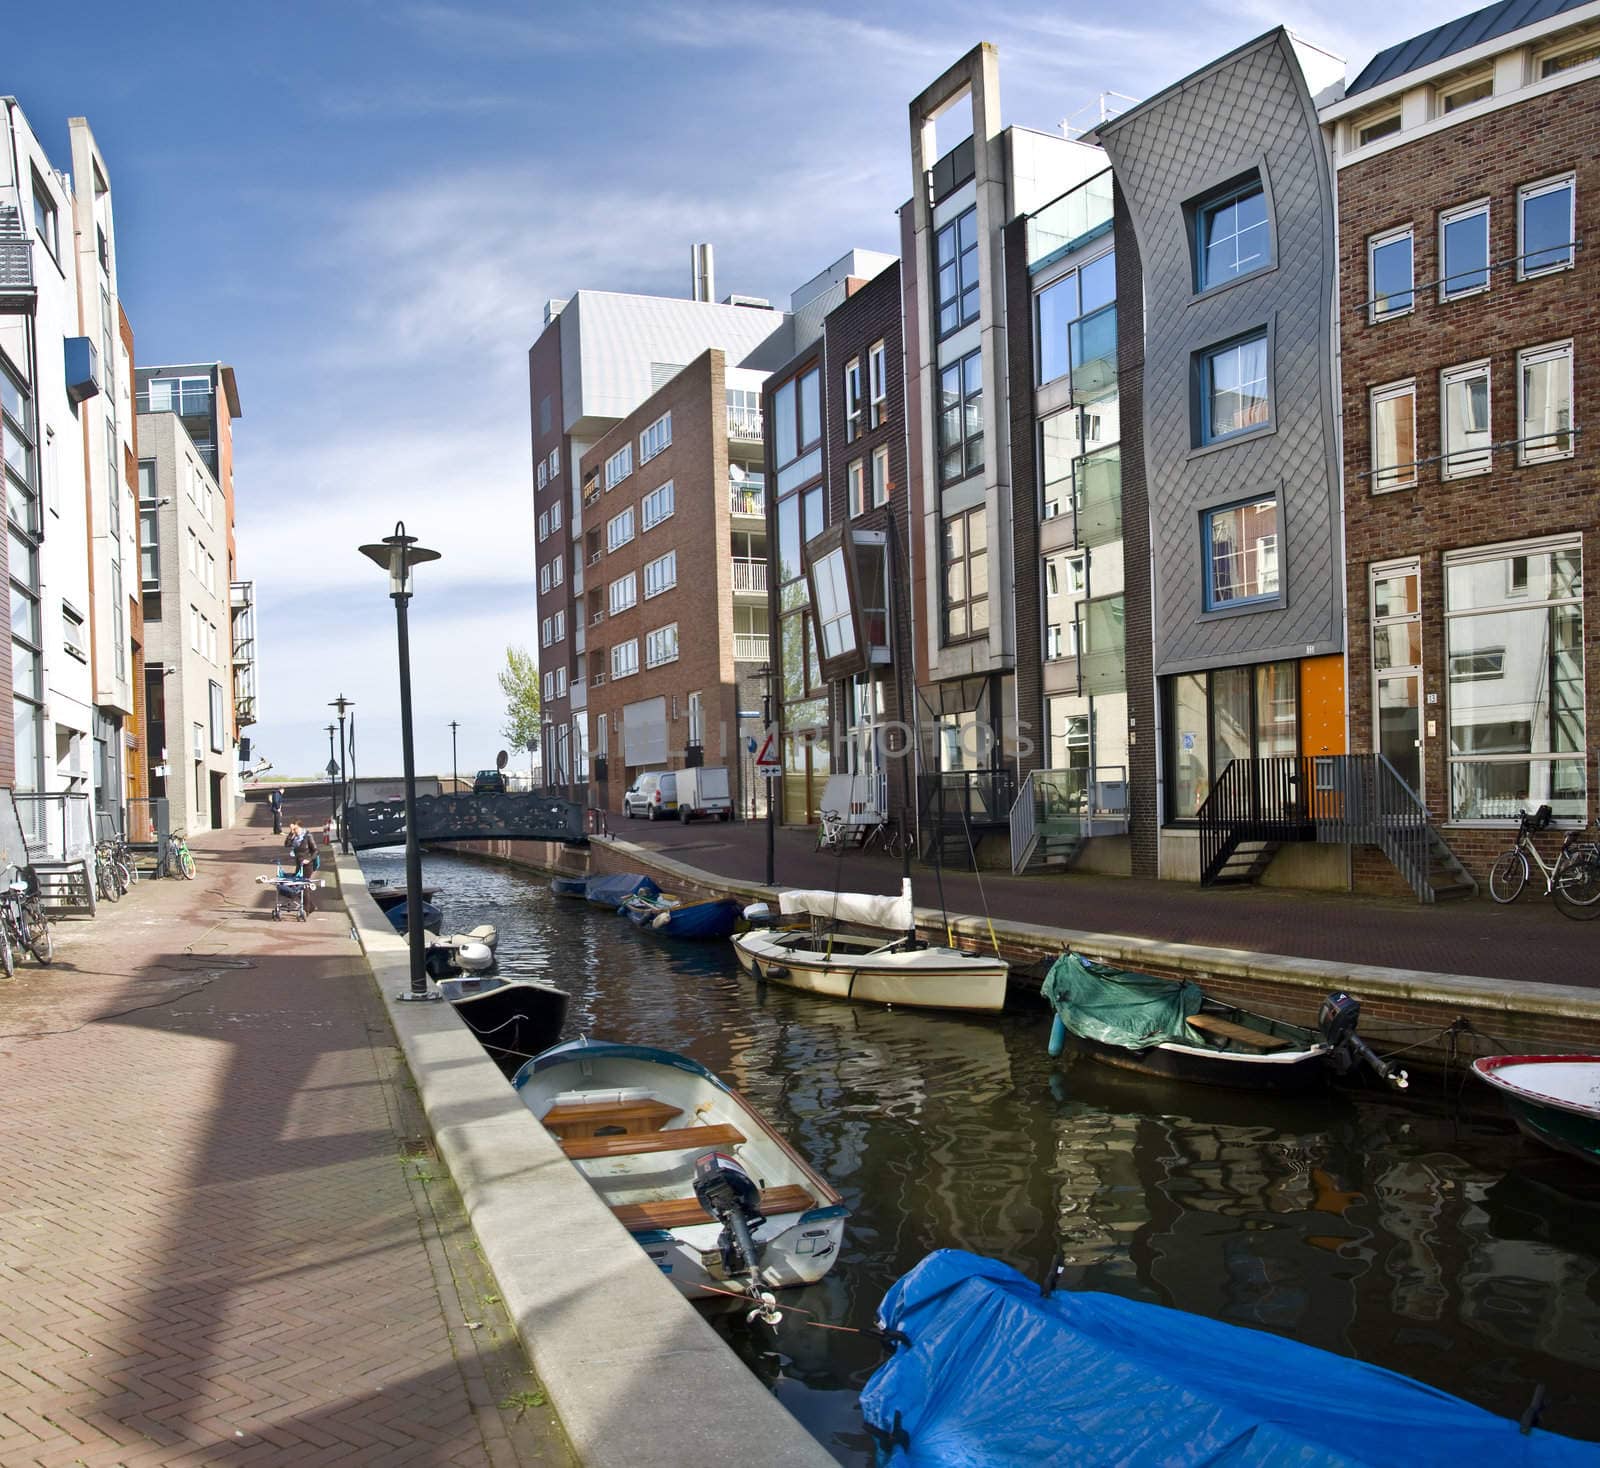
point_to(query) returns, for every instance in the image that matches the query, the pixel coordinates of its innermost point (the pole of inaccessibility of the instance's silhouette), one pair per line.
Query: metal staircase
(958, 808)
(1345, 799)
(1058, 811)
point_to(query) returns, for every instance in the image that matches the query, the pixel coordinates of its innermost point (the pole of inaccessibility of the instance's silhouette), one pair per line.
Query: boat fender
(661, 919)
(889, 1338)
(1057, 1263)
(1058, 1036)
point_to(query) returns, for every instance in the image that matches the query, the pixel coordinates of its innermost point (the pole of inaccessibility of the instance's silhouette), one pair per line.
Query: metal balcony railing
(747, 499)
(749, 574)
(1071, 804)
(750, 647)
(57, 827)
(744, 423)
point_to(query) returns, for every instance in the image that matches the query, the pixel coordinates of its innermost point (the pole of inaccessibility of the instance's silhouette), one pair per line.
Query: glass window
(1231, 720)
(655, 438)
(833, 605)
(1058, 447)
(956, 260)
(1514, 655)
(966, 575)
(878, 375)
(880, 476)
(855, 474)
(44, 217)
(624, 592)
(1544, 396)
(619, 466)
(1464, 420)
(661, 646)
(810, 407)
(619, 529)
(657, 505)
(787, 428)
(1461, 93)
(789, 565)
(1241, 548)
(625, 658)
(1236, 398)
(1394, 436)
(1464, 248)
(1065, 583)
(1565, 60)
(1277, 711)
(1190, 760)
(1380, 127)
(1232, 236)
(1545, 226)
(852, 399)
(1389, 260)
(661, 574)
(961, 418)
(1055, 308)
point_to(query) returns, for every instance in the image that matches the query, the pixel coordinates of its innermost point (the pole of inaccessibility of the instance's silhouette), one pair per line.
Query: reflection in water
(1400, 1233)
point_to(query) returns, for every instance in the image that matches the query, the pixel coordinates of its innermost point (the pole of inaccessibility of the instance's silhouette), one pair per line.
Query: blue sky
(364, 206)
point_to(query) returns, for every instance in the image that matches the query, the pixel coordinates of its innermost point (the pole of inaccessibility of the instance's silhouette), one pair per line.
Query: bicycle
(176, 854)
(832, 833)
(1574, 877)
(23, 926)
(122, 857)
(887, 837)
(106, 886)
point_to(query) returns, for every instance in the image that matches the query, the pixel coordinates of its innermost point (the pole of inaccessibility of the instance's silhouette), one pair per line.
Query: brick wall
(544, 381)
(1024, 501)
(1489, 156)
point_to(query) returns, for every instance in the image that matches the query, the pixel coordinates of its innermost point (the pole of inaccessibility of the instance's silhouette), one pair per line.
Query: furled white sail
(893, 913)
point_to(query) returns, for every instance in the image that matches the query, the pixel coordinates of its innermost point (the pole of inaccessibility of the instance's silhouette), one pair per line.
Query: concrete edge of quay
(632, 1371)
(1524, 1018)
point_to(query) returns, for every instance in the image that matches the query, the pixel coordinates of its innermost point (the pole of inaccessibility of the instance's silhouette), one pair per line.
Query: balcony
(578, 693)
(1094, 355)
(750, 647)
(749, 576)
(17, 291)
(1097, 497)
(747, 497)
(579, 635)
(1102, 646)
(1071, 221)
(744, 424)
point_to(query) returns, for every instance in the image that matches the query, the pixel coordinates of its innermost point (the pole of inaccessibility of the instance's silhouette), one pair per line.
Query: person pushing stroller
(302, 846)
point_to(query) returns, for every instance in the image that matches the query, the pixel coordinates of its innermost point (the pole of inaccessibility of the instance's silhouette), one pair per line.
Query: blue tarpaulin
(998, 1374)
(614, 890)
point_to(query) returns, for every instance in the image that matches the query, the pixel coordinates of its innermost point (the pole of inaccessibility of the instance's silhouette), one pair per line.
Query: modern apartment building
(1468, 179)
(192, 747)
(599, 358)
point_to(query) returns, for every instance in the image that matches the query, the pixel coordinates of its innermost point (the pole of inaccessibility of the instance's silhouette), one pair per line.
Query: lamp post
(764, 673)
(397, 554)
(455, 779)
(342, 703)
(333, 769)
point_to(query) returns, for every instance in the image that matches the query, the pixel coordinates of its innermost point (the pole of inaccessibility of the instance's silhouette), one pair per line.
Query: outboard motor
(1337, 1020)
(730, 1195)
(758, 915)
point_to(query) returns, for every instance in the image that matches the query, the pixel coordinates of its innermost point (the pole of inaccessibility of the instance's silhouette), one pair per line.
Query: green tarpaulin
(1119, 1007)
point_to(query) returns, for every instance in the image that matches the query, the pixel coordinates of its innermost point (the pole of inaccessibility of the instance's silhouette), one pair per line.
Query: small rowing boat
(1555, 1099)
(512, 1018)
(570, 886)
(671, 917)
(821, 959)
(704, 1183)
(400, 916)
(471, 952)
(613, 891)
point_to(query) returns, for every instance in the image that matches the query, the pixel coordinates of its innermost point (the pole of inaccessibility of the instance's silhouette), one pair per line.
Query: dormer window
(1377, 127)
(1463, 91)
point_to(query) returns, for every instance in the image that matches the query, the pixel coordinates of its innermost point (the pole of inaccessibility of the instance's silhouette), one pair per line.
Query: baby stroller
(289, 895)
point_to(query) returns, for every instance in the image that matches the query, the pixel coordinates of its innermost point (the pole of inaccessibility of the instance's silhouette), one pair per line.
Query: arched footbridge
(523, 817)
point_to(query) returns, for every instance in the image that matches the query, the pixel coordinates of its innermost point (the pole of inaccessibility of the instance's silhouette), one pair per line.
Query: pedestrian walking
(275, 800)
(302, 846)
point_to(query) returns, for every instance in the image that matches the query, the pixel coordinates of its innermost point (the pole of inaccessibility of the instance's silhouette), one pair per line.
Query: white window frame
(543, 473)
(561, 682)
(854, 400)
(1448, 217)
(655, 642)
(655, 437)
(1532, 356)
(1361, 128)
(555, 461)
(1568, 181)
(555, 517)
(664, 571)
(1406, 474)
(619, 466)
(622, 593)
(1590, 42)
(544, 579)
(544, 526)
(855, 477)
(558, 627)
(878, 384)
(879, 482)
(1447, 376)
(628, 664)
(558, 571)
(650, 513)
(1374, 244)
(1446, 90)
(619, 530)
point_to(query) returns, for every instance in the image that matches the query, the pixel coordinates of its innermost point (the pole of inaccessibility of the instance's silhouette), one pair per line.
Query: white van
(703, 791)
(654, 794)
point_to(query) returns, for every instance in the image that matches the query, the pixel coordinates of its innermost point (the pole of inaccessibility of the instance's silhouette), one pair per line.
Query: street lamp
(454, 778)
(333, 769)
(342, 703)
(764, 673)
(397, 554)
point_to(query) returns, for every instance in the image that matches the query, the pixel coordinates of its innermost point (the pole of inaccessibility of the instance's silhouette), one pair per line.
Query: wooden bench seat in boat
(1240, 1034)
(574, 1119)
(630, 1144)
(681, 1212)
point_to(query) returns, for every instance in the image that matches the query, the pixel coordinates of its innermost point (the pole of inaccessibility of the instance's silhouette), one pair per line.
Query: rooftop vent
(702, 273)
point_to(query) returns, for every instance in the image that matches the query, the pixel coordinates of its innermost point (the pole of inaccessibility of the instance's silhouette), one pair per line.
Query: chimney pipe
(702, 276)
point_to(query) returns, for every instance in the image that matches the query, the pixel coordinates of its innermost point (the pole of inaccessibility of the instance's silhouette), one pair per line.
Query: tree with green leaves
(519, 681)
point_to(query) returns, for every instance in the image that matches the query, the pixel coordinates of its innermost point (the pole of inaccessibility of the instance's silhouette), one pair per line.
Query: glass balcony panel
(1071, 221)
(1102, 654)
(1094, 355)
(1097, 496)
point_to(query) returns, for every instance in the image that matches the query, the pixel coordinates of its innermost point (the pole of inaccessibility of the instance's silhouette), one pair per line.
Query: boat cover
(1119, 1007)
(893, 913)
(999, 1374)
(610, 891)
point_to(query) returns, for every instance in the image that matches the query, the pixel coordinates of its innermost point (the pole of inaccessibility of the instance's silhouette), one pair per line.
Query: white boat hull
(867, 971)
(651, 1192)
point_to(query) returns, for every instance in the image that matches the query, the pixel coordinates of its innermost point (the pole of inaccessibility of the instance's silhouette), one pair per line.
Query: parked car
(489, 782)
(654, 794)
(703, 791)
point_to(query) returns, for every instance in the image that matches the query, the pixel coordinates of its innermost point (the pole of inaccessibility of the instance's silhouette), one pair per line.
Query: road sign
(332, 768)
(769, 765)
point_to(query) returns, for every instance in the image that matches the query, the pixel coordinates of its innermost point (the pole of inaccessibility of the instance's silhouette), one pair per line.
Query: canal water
(1423, 1234)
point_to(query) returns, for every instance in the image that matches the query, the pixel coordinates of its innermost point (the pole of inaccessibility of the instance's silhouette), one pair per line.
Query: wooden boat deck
(577, 1119)
(684, 1212)
(631, 1144)
(1239, 1034)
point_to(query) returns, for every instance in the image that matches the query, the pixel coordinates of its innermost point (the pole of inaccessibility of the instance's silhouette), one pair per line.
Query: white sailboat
(819, 959)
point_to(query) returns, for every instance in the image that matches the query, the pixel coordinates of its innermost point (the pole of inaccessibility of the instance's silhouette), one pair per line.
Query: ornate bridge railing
(530, 817)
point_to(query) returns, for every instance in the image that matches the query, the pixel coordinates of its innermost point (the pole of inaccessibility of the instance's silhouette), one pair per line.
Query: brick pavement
(1529, 941)
(220, 1241)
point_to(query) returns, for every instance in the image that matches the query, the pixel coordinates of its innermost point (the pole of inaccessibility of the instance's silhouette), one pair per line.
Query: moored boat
(613, 891)
(707, 1187)
(400, 916)
(570, 886)
(387, 894)
(872, 969)
(511, 1017)
(471, 952)
(990, 1370)
(671, 917)
(1555, 1099)
(1172, 1028)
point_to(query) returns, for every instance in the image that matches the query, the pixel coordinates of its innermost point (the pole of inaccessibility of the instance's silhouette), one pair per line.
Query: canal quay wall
(631, 1369)
(1437, 1018)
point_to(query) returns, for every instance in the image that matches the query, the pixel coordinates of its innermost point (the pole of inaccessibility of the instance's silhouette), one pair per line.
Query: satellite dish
(501, 760)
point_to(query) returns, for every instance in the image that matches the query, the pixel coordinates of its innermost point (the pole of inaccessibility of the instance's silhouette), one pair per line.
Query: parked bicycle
(1572, 880)
(175, 857)
(887, 837)
(23, 926)
(122, 856)
(832, 832)
(108, 883)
